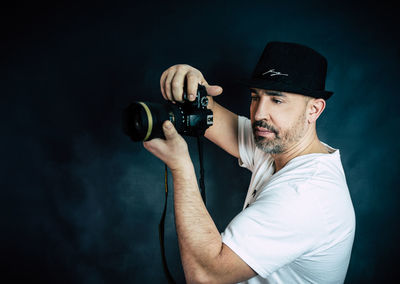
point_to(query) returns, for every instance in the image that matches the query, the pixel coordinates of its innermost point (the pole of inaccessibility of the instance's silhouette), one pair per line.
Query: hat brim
(284, 87)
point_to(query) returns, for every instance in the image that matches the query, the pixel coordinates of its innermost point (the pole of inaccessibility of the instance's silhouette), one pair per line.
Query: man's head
(288, 94)
(281, 120)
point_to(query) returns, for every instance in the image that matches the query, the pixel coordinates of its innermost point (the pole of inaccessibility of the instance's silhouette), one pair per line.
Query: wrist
(182, 168)
(180, 165)
(184, 179)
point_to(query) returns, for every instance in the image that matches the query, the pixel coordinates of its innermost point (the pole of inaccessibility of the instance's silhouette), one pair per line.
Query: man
(298, 223)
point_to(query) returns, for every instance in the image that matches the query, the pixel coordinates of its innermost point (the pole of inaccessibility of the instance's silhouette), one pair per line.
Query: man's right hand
(173, 80)
(223, 132)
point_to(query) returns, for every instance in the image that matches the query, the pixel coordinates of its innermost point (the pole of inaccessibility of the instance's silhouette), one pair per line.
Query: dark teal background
(80, 202)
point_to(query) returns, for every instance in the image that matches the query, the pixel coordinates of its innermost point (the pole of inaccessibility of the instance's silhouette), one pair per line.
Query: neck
(309, 144)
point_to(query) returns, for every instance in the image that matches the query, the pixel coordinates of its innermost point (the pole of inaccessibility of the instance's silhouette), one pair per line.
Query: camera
(142, 121)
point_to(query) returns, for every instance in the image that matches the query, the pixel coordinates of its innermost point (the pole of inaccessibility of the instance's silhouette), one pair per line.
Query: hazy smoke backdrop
(80, 202)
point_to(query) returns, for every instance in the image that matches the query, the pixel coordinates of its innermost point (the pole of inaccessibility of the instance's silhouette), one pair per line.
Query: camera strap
(161, 225)
(201, 179)
(161, 231)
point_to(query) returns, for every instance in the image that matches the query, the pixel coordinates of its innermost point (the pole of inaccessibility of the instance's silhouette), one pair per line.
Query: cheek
(297, 122)
(284, 120)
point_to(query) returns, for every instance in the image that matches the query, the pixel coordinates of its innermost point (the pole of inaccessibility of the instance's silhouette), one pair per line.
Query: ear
(314, 109)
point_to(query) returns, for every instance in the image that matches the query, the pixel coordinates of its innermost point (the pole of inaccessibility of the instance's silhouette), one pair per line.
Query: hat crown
(292, 67)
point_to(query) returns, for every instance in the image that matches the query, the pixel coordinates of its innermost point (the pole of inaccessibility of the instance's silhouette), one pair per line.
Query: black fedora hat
(290, 67)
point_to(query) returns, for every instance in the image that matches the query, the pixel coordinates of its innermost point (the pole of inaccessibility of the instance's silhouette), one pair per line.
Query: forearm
(224, 131)
(204, 257)
(199, 240)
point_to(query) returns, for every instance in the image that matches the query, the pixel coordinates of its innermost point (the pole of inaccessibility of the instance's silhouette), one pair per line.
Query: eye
(254, 98)
(276, 101)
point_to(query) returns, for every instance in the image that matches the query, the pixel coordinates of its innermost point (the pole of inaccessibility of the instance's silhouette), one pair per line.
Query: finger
(177, 85)
(167, 85)
(192, 80)
(162, 79)
(155, 146)
(214, 90)
(169, 130)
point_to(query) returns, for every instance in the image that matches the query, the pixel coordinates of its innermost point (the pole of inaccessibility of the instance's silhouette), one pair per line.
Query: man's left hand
(172, 150)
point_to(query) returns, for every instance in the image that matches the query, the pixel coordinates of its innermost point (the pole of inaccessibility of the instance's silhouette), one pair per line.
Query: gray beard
(271, 147)
(280, 143)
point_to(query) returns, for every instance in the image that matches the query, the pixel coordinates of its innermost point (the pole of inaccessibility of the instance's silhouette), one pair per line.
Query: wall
(81, 203)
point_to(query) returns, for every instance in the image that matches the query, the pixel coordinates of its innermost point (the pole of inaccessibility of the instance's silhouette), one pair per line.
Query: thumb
(169, 130)
(214, 90)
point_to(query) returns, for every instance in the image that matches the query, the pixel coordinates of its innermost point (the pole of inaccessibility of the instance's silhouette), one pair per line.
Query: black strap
(161, 232)
(162, 221)
(201, 179)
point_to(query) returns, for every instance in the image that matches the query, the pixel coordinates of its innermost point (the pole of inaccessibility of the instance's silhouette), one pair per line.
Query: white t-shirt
(297, 225)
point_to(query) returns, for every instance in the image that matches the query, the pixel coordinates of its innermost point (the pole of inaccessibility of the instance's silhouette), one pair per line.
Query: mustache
(265, 125)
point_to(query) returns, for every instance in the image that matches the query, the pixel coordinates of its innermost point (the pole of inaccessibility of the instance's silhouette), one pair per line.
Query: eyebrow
(270, 93)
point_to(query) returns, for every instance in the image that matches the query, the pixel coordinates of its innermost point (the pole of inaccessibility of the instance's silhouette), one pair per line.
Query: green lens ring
(149, 120)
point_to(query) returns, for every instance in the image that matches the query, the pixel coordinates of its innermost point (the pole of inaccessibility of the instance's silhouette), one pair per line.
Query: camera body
(143, 121)
(195, 117)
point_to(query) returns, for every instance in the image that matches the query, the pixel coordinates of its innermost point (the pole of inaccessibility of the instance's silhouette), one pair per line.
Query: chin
(270, 148)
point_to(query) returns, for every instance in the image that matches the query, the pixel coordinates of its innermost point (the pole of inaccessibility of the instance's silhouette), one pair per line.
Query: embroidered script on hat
(274, 73)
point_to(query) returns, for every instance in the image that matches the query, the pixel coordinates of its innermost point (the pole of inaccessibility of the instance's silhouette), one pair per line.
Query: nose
(261, 111)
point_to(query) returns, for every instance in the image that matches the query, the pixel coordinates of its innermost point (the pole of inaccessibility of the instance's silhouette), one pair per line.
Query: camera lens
(137, 122)
(143, 121)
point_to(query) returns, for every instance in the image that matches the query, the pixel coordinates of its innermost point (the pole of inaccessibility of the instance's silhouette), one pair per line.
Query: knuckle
(183, 67)
(192, 76)
(179, 67)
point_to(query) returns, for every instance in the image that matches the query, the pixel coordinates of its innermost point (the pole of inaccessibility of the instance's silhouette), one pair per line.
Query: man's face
(278, 119)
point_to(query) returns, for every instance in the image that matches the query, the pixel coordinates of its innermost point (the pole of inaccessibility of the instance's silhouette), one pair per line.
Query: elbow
(201, 277)
(203, 272)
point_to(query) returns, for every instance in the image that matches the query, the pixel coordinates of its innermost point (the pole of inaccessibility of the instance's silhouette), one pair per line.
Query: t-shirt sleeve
(274, 231)
(246, 143)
